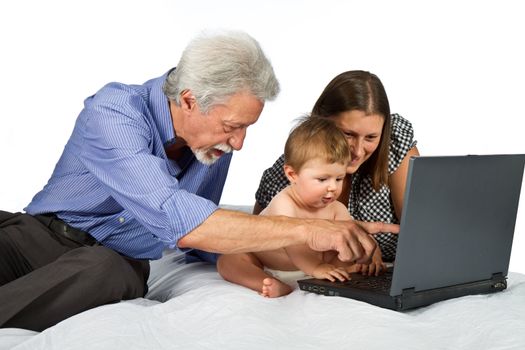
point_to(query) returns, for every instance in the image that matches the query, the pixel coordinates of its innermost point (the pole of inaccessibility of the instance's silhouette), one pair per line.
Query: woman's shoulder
(278, 165)
(401, 140)
(401, 127)
(272, 182)
(275, 173)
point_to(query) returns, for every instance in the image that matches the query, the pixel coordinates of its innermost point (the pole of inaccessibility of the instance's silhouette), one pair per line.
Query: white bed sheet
(191, 307)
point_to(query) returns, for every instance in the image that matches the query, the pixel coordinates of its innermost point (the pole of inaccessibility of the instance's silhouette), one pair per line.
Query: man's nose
(236, 139)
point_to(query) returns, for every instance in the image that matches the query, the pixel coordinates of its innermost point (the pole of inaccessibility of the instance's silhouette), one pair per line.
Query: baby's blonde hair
(315, 137)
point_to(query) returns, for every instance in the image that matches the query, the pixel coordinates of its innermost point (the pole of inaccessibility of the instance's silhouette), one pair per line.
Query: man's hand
(349, 238)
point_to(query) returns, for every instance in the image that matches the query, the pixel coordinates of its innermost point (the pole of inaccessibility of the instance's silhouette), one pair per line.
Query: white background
(455, 69)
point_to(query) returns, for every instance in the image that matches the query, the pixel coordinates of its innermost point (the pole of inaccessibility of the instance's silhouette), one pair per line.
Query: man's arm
(227, 231)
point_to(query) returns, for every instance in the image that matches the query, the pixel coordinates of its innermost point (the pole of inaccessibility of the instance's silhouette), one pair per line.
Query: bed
(189, 306)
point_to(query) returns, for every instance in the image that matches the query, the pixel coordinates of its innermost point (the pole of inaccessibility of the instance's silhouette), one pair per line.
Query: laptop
(455, 238)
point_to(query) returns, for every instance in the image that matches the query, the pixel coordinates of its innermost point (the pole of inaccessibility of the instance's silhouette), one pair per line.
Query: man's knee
(12, 264)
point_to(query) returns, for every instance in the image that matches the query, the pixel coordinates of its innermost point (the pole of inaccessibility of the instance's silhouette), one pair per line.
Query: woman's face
(363, 133)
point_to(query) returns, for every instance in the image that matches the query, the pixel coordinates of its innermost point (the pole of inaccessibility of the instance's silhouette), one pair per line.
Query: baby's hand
(331, 272)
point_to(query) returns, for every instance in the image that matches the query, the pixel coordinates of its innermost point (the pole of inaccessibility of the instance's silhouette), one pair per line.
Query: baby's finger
(337, 274)
(329, 277)
(343, 272)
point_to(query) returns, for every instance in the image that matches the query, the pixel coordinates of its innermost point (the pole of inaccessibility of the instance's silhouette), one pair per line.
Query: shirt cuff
(185, 212)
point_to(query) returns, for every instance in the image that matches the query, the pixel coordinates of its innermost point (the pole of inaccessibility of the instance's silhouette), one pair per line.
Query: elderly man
(144, 170)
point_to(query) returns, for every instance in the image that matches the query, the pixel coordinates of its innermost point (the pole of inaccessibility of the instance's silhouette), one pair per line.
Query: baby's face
(319, 183)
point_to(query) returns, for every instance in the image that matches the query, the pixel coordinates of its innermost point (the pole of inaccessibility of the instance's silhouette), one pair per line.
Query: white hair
(219, 65)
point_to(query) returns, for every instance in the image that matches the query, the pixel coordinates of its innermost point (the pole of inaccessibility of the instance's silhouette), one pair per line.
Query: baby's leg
(247, 270)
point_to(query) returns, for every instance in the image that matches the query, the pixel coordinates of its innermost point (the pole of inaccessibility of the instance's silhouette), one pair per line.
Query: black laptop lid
(458, 220)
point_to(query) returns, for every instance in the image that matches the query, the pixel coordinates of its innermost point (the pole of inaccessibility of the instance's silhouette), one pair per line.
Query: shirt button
(121, 220)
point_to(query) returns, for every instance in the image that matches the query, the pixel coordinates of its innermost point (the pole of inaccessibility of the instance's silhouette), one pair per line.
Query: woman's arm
(257, 208)
(397, 182)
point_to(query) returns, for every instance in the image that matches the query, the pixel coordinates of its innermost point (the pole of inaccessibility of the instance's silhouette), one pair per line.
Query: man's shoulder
(118, 90)
(125, 97)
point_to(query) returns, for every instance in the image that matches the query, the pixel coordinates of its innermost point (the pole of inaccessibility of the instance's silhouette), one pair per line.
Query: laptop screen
(458, 220)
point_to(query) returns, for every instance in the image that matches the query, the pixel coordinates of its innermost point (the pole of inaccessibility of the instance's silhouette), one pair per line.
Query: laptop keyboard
(376, 283)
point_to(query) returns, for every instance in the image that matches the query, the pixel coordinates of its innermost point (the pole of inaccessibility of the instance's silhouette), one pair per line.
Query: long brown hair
(362, 91)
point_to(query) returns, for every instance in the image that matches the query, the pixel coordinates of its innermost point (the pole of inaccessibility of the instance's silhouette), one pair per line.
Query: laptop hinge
(499, 281)
(498, 276)
(406, 294)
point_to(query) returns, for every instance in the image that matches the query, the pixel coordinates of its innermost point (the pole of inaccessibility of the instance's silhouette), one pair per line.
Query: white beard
(207, 157)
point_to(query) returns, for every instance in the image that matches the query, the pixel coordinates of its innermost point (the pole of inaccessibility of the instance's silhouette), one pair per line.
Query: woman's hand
(375, 267)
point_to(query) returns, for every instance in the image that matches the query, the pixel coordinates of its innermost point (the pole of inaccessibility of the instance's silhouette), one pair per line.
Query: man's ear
(187, 101)
(290, 173)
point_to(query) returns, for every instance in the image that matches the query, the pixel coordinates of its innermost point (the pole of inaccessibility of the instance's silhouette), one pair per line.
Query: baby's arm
(341, 212)
(311, 263)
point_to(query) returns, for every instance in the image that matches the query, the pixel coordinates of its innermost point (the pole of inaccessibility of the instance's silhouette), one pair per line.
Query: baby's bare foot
(273, 288)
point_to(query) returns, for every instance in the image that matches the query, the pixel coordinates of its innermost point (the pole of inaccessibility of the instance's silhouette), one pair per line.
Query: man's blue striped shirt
(115, 181)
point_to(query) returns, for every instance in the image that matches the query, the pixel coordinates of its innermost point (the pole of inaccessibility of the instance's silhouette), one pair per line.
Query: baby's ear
(290, 173)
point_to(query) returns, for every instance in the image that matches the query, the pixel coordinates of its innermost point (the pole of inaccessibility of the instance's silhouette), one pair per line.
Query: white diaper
(288, 277)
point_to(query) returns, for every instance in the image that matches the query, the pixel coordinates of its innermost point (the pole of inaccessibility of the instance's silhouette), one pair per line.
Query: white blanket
(191, 307)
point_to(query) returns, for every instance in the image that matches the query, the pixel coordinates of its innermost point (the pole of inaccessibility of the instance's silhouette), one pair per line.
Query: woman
(381, 145)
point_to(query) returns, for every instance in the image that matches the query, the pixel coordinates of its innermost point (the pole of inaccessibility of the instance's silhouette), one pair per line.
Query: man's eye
(230, 128)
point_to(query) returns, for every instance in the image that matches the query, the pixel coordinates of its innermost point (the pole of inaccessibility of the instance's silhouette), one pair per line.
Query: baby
(316, 157)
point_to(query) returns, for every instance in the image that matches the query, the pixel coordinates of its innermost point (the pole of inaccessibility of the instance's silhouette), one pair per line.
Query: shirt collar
(159, 107)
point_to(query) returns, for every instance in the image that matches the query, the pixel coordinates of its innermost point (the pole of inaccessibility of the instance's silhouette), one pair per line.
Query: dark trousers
(46, 278)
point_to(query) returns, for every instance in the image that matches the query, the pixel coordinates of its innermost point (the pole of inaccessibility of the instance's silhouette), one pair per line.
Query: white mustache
(223, 147)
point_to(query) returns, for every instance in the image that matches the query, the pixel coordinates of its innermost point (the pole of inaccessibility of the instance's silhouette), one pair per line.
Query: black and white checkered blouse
(364, 203)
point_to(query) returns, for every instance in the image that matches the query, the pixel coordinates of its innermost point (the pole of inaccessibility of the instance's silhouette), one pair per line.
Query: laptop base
(409, 299)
